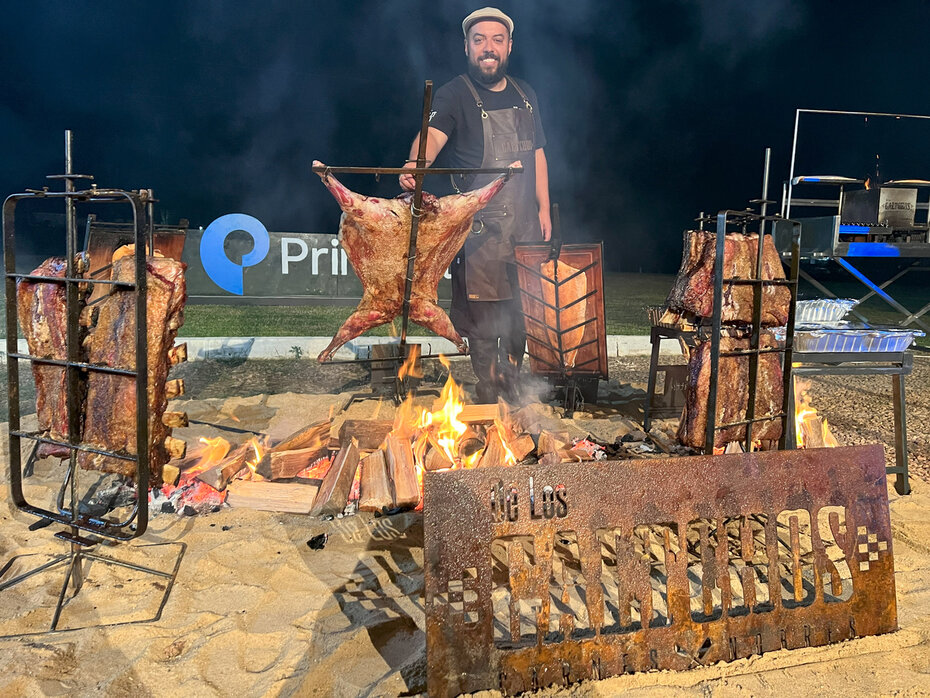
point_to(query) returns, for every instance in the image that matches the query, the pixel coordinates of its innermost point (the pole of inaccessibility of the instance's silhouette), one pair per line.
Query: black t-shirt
(455, 113)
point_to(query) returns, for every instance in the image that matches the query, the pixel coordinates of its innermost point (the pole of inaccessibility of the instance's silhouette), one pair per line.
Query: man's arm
(435, 140)
(542, 193)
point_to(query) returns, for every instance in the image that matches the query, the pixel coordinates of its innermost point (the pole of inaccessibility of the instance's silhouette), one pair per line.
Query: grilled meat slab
(732, 393)
(375, 234)
(43, 317)
(693, 291)
(110, 413)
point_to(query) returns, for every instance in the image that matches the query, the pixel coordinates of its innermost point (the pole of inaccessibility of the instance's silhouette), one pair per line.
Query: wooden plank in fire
(375, 485)
(286, 497)
(337, 483)
(315, 436)
(402, 470)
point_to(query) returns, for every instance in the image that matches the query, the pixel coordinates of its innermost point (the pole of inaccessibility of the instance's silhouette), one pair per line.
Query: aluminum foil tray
(823, 310)
(830, 341)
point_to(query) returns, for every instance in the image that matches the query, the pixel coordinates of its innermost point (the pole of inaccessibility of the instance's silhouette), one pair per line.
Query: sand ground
(255, 611)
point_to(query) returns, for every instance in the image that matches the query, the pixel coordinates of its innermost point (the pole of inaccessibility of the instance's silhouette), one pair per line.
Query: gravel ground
(858, 408)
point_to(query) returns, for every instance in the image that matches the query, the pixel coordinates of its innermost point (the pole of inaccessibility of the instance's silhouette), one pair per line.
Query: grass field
(626, 297)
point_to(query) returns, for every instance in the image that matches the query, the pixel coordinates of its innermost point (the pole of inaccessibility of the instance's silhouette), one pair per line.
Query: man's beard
(476, 74)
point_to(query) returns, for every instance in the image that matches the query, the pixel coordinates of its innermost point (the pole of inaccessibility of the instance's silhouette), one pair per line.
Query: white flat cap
(487, 13)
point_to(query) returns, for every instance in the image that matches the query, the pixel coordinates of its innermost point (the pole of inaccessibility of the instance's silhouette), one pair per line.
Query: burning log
(375, 485)
(402, 471)
(286, 464)
(288, 497)
(471, 414)
(310, 440)
(469, 443)
(369, 433)
(220, 474)
(337, 483)
(436, 459)
(495, 452)
(522, 446)
(552, 443)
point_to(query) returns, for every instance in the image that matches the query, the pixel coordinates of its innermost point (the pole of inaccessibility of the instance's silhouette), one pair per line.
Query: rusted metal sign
(550, 575)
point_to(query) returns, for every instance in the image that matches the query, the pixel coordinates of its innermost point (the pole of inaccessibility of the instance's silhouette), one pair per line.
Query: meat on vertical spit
(568, 324)
(693, 291)
(43, 317)
(375, 233)
(110, 414)
(732, 393)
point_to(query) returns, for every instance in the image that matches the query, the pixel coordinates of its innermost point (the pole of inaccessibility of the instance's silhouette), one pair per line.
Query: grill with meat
(732, 393)
(110, 412)
(693, 291)
(375, 234)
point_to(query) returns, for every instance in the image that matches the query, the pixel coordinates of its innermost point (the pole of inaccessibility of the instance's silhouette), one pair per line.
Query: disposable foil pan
(836, 341)
(823, 310)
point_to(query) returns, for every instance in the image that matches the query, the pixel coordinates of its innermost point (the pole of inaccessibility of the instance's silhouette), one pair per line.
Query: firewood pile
(342, 465)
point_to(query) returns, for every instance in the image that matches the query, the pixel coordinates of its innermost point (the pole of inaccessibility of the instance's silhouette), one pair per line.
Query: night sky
(653, 110)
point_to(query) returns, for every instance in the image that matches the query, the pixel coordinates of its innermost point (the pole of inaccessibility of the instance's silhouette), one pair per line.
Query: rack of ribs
(110, 411)
(693, 291)
(375, 233)
(732, 393)
(43, 316)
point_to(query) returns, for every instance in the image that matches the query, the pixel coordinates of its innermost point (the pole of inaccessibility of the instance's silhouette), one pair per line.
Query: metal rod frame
(136, 523)
(742, 219)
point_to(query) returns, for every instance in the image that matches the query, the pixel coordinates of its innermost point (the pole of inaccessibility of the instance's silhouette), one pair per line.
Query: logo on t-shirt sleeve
(431, 115)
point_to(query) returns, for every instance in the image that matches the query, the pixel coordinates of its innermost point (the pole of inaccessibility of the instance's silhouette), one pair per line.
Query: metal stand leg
(901, 483)
(655, 340)
(74, 579)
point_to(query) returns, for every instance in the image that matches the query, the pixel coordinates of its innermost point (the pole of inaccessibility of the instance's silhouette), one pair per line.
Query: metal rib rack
(70, 514)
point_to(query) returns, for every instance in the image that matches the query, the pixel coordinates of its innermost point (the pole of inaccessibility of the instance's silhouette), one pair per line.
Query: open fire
(389, 457)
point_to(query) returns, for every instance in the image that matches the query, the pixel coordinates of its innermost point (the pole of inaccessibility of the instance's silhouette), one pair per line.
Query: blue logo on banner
(221, 269)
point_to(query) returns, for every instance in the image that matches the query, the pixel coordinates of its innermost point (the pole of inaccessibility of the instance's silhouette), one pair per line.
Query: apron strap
(522, 94)
(474, 93)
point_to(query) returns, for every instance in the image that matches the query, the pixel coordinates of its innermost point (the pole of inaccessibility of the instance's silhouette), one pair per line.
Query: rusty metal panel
(541, 575)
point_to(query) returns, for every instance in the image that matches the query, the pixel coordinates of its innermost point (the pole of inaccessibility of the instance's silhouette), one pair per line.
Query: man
(489, 119)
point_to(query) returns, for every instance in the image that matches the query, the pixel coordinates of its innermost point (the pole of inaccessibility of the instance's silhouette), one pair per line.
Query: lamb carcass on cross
(375, 233)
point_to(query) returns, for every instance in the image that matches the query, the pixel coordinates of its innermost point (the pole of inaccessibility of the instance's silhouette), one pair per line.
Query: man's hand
(407, 181)
(545, 223)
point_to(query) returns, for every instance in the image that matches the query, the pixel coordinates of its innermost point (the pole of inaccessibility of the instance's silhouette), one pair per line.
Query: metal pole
(757, 289)
(794, 153)
(72, 377)
(416, 210)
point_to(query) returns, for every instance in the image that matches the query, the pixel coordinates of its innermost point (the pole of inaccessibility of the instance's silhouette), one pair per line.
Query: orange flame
(809, 426)
(258, 450)
(411, 366)
(214, 450)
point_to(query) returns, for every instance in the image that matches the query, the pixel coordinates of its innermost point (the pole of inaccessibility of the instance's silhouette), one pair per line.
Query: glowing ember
(317, 469)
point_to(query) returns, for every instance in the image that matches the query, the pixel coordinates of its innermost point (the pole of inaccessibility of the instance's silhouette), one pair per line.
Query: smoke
(653, 111)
